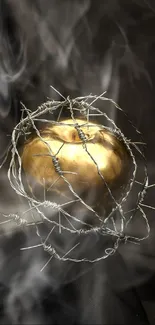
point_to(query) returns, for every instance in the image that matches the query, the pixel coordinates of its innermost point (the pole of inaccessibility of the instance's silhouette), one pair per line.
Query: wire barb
(116, 222)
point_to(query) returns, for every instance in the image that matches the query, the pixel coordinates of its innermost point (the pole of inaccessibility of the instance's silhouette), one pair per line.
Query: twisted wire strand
(82, 106)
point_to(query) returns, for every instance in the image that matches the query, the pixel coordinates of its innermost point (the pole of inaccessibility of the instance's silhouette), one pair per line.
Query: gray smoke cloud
(79, 47)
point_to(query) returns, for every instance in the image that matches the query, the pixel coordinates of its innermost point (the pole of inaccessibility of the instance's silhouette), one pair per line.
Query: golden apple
(101, 160)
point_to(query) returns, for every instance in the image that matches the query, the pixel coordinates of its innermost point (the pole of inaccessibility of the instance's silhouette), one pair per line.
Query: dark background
(79, 47)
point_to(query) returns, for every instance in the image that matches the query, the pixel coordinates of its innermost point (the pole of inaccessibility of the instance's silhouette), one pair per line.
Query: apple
(91, 166)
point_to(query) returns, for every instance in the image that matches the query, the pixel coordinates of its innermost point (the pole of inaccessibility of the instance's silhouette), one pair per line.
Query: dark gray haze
(79, 47)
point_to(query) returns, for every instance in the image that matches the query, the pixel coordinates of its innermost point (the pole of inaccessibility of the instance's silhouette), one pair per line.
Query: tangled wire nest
(118, 222)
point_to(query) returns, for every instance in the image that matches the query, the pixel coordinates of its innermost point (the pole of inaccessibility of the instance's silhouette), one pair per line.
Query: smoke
(45, 40)
(79, 47)
(24, 293)
(66, 44)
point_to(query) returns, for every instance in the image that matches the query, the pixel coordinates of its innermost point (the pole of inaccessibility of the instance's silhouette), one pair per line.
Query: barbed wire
(79, 108)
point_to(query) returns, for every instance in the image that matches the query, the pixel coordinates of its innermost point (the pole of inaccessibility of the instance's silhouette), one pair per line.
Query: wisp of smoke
(79, 47)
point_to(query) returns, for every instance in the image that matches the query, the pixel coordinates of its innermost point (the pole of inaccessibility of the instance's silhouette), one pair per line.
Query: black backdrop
(79, 47)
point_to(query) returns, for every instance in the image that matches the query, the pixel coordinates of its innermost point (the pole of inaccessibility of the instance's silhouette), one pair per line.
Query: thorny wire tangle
(84, 106)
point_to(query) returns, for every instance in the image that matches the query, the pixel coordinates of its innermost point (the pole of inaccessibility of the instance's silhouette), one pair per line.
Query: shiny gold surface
(76, 159)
